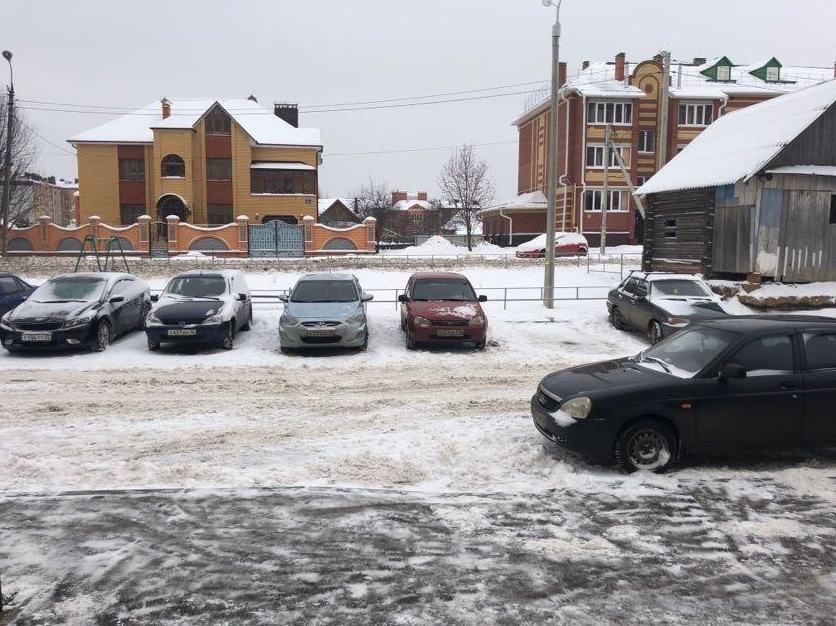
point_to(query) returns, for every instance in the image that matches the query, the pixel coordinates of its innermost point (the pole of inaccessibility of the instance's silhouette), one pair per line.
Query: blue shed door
(769, 228)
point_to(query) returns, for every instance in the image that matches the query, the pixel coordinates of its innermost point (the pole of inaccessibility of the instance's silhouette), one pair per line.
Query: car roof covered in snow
(436, 275)
(744, 324)
(224, 273)
(742, 143)
(104, 275)
(325, 276)
(651, 276)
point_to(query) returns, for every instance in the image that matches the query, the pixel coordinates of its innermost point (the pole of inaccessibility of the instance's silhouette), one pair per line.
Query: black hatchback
(765, 382)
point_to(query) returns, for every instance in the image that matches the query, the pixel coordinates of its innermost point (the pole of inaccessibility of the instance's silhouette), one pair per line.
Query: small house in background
(338, 212)
(754, 193)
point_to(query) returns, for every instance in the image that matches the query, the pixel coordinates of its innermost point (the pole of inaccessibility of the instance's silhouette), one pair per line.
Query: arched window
(173, 167)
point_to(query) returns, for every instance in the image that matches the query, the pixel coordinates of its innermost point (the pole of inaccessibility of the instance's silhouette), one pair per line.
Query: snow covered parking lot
(392, 457)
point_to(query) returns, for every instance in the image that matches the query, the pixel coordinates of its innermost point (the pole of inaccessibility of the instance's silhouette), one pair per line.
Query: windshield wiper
(653, 359)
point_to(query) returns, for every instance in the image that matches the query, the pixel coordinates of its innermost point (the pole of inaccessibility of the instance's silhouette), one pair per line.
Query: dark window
(282, 182)
(630, 287)
(641, 289)
(173, 167)
(833, 209)
(8, 285)
(609, 113)
(647, 141)
(821, 350)
(131, 169)
(288, 184)
(218, 169)
(218, 122)
(441, 289)
(219, 213)
(696, 114)
(325, 291)
(767, 356)
(129, 212)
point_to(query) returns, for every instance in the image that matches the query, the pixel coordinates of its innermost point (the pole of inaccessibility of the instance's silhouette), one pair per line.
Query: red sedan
(565, 244)
(441, 307)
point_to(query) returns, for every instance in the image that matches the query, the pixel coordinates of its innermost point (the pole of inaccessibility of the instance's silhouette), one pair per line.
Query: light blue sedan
(325, 311)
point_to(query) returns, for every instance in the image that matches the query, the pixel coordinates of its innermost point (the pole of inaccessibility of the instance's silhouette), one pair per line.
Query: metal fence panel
(277, 239)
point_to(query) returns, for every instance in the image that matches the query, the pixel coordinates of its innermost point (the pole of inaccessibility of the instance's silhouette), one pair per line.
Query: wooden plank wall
(732, 250)
(807, 249)
(689, 217)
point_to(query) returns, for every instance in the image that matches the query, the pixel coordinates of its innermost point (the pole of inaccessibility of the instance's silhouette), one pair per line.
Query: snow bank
(439, 246)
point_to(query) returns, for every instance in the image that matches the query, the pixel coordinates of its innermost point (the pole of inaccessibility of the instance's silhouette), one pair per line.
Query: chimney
(398, 196)
(252, 98)
(422, 195)
(288, 112)
(584, 65)
(700, 60)
(561, 74)
(619, 66)
(166, 107)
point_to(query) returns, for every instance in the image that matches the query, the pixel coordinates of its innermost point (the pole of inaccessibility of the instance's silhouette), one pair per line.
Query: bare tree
(466, 181)
(374, 199)
(22, 199)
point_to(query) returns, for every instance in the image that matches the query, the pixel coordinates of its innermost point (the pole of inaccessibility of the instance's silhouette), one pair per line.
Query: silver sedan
(325, 311)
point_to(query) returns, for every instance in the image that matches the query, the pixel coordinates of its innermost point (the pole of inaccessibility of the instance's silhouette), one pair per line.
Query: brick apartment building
(412, 213)
(205, 161)
(38, 196)
(627, 96)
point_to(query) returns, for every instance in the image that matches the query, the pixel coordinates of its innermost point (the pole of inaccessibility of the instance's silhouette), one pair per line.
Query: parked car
(660, 304)
(565, 244)
(201, 306)
(325, 310)
(13, 291)
(725, 384)
(77, 310)
(442, 307)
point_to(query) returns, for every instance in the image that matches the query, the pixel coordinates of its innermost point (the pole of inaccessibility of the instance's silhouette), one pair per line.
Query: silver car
(325, 310)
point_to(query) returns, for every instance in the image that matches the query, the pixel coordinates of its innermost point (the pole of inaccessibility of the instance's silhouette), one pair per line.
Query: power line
(57, 147)
(426, 149)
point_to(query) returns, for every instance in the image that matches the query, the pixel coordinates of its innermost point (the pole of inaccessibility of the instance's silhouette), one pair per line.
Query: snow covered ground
(385, 483)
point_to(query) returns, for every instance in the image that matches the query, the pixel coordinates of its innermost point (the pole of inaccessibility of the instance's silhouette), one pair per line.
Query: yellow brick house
(205, 161)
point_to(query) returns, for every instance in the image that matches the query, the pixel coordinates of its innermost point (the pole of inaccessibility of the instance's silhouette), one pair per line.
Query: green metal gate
(277, 239)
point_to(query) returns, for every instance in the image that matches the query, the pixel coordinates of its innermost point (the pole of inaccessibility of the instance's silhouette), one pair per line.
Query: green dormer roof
(711, 72)
(762, 71)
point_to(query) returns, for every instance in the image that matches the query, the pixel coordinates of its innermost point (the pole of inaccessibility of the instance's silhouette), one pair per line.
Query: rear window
(456, 290)
(821, 350)
(325, 291)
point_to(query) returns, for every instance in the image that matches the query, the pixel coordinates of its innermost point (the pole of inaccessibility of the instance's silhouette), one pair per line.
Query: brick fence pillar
(45, 221)
(243, 233)
(173, 224)
(308, 222)
(94, 221)
(144, 222)
(371, 241)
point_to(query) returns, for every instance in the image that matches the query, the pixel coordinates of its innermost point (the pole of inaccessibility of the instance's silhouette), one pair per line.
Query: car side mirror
(732, 371)
(155, 297)
(403, 298)
(483, 298)
(116, 299)
(367, 297)
(284, 297)
(241, 297)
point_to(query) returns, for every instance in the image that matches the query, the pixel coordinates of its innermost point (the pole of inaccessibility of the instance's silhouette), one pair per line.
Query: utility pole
(551, 213)
(663, 114)
(605, 201)
(7, 166)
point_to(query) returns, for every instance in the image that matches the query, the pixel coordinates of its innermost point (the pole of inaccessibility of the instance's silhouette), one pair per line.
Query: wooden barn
(754, 193)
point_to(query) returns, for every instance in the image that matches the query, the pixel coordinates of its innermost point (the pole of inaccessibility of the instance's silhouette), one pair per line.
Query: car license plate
(449, 332)
(182, 332)
(36, 337)
(321, 332)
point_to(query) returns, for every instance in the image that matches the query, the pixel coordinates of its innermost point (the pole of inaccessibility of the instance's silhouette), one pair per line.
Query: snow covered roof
(327, 203)
(259, 123)
(805, 170)
(405, 205)
(279, 165)
(532, 201)
(738, 145)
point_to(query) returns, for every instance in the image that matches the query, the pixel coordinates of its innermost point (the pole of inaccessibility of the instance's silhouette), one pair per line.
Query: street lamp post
(551, 213)
(7, 166)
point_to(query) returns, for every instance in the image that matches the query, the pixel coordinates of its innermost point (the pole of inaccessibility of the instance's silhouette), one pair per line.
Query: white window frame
(727, 70)
(624, 149)
(776, 74)
(695, 111)
(619, 107)
(642, 147)
(598, 194)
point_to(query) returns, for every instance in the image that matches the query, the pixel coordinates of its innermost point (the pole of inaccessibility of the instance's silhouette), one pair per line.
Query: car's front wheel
(153, 346)
(654, 331)
(616, 319)
(411, 344)
(648, 446)
(103, 337)
(229, 339)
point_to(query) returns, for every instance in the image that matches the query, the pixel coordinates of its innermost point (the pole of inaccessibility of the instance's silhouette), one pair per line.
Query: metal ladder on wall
(113, 245)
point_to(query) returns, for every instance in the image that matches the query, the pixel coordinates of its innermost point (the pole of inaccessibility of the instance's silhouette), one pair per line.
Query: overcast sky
(108, 53)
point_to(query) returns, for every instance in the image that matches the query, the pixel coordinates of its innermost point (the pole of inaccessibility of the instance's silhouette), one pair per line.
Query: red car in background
(565, 244)
(442, 307)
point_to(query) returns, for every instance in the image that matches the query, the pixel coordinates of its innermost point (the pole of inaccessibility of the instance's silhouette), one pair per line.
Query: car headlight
(79, 321)
(288, 320)
(152, 320)
(359, 318)
(476, 321)
(423, 322)
(678, 322)
(6, 323)
(579, 407)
